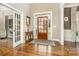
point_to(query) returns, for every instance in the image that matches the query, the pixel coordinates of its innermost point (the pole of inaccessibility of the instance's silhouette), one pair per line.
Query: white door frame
(49, 14)
(21, 25)
(62, 23)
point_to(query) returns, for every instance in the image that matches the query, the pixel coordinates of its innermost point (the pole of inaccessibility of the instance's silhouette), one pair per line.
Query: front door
(42, 27)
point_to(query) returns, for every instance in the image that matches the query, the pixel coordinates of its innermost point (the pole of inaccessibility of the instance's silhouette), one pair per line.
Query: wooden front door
(42, 27)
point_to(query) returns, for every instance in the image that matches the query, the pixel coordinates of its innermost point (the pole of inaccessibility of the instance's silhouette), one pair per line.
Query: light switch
(54, 26)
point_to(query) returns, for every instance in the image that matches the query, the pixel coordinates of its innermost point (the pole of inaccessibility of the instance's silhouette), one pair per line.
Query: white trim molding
(62, 23)
(71, 5)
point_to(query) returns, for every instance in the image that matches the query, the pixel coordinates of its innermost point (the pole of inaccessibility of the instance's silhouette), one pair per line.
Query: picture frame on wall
(27, 20)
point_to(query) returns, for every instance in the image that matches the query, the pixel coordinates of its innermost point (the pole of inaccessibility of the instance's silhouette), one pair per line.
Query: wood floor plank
(31, 49)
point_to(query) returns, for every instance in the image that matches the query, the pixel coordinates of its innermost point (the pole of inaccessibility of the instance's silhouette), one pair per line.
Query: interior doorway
(11, 31)
(72, 26)
(6, 26)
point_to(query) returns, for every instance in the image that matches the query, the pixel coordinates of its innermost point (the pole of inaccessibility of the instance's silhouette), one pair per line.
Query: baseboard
(2, 35)
(56, 40)
(69, 40)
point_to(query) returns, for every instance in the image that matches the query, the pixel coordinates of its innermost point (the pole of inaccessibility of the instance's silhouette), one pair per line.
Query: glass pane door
(16, 28)
(42, 27)
(42, 24)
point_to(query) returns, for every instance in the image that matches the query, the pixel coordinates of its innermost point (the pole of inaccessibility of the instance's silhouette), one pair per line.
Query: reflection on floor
(31, 49)
(43, 42)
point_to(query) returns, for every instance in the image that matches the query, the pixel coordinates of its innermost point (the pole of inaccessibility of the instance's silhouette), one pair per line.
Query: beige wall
(55, 8)
(29, 9)
(2, 25)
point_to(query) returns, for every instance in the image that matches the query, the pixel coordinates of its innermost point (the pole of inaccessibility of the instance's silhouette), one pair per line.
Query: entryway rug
(43, 42)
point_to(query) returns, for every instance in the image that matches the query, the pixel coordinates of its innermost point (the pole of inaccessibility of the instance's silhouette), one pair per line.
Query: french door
(16, 29)
(42, 27)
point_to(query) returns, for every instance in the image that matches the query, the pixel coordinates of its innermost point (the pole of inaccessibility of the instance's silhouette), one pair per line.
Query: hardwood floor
(6, 42)
(30, 49)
